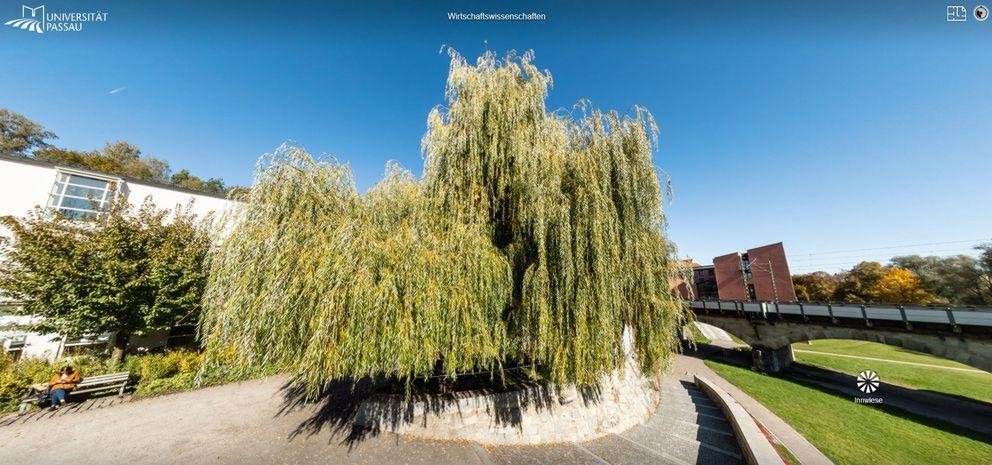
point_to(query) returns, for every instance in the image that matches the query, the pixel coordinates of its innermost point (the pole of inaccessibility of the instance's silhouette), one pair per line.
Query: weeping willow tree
(534, 237)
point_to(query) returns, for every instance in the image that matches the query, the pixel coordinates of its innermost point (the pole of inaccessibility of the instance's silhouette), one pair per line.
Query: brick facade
(729, 278)
(767, 261)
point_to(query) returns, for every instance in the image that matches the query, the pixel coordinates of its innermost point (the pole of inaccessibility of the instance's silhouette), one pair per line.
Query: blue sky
(829, 126)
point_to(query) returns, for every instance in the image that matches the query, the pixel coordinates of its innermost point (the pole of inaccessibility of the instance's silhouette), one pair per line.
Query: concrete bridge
(962, 334)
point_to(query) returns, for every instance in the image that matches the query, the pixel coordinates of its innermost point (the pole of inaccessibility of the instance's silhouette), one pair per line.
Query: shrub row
(150, 374)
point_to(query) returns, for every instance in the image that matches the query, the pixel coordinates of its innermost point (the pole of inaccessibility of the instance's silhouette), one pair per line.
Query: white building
(27, 183)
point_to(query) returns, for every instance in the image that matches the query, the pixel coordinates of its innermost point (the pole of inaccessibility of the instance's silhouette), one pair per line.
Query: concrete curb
(755, 446)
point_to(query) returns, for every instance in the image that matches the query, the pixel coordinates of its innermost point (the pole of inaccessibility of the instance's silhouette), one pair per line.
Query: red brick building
(762, 273)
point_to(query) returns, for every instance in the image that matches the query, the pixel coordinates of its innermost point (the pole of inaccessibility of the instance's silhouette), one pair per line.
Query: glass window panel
(57, 188)
(82, 204)
(84, 192)
(89, 182)
(75, 214)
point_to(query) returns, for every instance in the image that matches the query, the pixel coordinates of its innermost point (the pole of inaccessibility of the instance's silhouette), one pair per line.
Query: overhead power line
(799, 267)
(922, 244)
(801, 259)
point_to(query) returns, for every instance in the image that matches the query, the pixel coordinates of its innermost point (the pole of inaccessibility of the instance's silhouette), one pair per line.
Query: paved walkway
(250, 422)
(713, 333)
(687, 429)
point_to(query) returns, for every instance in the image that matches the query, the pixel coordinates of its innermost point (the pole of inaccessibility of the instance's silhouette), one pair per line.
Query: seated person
(61, 384)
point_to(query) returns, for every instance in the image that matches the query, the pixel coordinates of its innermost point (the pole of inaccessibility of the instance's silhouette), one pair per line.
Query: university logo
(36, 19)
(34, 22)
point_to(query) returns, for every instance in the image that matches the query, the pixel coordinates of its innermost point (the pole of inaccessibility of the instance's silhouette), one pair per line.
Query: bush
(148, 368)
(178, 370)
(180, 382)
(12, 383)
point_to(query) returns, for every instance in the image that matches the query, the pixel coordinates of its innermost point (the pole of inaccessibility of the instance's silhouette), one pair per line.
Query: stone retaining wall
(533, 414)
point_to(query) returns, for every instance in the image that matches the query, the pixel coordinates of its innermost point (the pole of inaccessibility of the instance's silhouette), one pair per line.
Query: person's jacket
(68, 383)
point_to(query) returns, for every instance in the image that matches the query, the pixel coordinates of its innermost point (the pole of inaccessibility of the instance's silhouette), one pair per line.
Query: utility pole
(747, 292)
(771, 271)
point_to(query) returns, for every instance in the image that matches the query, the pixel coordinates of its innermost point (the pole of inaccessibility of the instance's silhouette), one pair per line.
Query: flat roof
(161, 185)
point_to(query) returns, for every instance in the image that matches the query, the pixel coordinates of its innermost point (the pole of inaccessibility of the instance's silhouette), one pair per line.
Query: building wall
(22, 186)
(766, 261)
(729, 280)
(704, 282)
(25, 184)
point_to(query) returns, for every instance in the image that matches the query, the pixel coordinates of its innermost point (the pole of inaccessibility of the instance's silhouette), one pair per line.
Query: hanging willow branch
(532, 237)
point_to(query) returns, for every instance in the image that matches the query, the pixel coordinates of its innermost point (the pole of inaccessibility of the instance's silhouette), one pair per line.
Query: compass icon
(868, 381)
(981, 13)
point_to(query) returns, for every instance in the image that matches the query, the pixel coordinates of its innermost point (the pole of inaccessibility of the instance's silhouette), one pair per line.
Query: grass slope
(851, 433)
(972, 385)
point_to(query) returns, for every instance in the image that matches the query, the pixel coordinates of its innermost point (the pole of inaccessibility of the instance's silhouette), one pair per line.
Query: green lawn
(976, 386)
(876, 350)
(851, 433)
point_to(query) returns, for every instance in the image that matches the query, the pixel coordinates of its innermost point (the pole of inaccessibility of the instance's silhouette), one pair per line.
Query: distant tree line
(909, 279)
(19, 136)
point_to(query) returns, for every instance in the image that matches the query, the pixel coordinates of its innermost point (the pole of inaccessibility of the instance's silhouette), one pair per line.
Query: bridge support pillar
(767, 360)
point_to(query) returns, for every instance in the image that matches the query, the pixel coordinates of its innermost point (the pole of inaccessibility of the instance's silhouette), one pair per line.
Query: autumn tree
(127, 271)
(858, 283)
(818, 286)
(534, 237)
(901, 286)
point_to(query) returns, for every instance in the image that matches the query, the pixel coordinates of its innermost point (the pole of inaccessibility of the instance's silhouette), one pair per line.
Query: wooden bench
(90, 384)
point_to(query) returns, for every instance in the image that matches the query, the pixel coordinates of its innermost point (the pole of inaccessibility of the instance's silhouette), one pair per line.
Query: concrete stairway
(687, 429)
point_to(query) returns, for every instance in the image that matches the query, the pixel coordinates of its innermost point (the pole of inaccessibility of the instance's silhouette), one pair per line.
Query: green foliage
(153, 367)
(985, 278)
(956, 279)
(124, 159)
(856, 284)
(13, 383)
(533, 237)
(188, 181)
(125, 271)
(151, 374)
(19, 135)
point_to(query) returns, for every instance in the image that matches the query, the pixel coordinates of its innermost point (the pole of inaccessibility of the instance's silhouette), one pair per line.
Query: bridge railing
(954, 316)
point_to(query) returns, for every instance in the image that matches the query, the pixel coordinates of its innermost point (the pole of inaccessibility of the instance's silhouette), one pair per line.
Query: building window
(750, 292)
(78, 196)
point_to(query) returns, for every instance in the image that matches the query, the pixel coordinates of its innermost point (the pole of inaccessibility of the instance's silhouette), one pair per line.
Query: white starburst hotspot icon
(868, 381)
